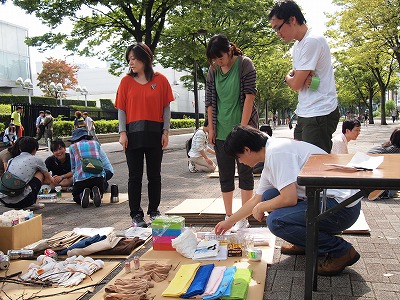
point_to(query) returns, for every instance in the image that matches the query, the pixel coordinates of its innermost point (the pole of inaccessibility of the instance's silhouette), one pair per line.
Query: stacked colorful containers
(164, 229)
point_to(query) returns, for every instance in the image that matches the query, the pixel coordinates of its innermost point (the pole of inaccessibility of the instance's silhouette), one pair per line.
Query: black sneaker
(138, 221)
(154, 215)
(85, 198)
(96, 196)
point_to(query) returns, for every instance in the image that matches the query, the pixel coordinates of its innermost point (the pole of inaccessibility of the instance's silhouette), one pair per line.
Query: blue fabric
(83, 243)
(289, 223)
(199, 283)
(225, 285)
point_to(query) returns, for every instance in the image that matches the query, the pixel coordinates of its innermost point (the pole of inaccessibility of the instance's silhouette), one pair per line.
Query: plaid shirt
(87, 148)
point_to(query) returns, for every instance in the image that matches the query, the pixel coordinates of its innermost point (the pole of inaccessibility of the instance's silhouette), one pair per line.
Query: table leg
(312, 242)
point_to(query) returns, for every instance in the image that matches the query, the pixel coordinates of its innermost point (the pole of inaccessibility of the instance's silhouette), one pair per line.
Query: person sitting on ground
(351, 129)
(260, 166)
(10, 135)
(7, 154)
(390, 147)
(279, 195)
(199, 161)
(79, 121)
(86, 184)
(30, 169)
(59, 164)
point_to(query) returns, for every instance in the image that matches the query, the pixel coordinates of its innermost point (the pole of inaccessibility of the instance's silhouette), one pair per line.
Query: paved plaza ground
(375, 276)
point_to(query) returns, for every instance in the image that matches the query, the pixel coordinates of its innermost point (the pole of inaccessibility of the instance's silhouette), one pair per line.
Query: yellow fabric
(182, 280)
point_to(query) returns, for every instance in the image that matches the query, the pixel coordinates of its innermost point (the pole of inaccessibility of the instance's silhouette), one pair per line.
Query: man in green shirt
(16, 119)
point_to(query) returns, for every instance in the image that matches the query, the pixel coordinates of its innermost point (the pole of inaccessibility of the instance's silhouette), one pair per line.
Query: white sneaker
(244, 223)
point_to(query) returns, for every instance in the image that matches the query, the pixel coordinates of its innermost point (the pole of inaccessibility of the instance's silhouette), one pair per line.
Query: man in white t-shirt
(350, 131)
(312, 76)
(90, 126)
(279, 195)
(199, 161)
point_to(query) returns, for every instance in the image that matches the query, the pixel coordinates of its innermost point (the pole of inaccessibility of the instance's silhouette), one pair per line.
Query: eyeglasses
(277, 29)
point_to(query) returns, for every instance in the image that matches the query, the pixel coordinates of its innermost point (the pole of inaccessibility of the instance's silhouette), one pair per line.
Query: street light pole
(195, 90)
(26, 85)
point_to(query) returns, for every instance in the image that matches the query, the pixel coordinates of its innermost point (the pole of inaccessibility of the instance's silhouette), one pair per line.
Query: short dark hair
(56, 144)
(143, 53)
(19, 107)
(28, 144)
(285, 9)
(350, 124)
(41, 112)
(244, 136)
(47, 112)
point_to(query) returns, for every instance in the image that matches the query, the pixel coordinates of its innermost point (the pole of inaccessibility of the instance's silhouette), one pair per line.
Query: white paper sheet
(361, 162)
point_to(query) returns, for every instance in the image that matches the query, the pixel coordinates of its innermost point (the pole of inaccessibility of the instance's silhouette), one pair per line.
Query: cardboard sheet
(66, 198)
(256, 288)
(206, 211)
(17, 291)
(360, 226)
(106, 256)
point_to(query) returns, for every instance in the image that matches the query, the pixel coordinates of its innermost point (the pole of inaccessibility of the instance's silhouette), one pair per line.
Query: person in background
(230, 93)
(7, 154)
(16, 119)
(390, 147)
(31, 169)
(257, 169)
(199, 161)
(90, 126)
(285, 202)
(86, 185)
(317, 108)
(79, 121)
(10, 135)
(394, 115)
(143, 102)
(39, 125)
(351, 129)
(366, 118)
(48, 125)
(59, 164)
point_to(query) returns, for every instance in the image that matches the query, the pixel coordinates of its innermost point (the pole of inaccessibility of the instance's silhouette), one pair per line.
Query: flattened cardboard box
(21, 235)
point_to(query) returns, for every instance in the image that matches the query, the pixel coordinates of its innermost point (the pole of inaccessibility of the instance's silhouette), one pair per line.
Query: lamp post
(196, 94)
(84, 91)
(58, 89)
(26, 85)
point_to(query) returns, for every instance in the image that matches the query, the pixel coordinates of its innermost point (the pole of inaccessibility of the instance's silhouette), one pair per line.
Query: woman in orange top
(144, 114)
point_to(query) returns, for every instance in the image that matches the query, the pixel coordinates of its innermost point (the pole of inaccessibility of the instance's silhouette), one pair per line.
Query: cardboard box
(21, 235)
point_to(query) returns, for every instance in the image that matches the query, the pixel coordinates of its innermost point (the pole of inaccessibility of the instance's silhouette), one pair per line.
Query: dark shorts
(31, 198)
(226, 167)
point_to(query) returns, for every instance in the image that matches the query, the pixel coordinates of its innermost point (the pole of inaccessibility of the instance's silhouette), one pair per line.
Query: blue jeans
(289, 223)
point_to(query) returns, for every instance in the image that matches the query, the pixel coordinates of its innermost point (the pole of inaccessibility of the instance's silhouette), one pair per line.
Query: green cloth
(229, 110)
(240, 286)
(17, 118)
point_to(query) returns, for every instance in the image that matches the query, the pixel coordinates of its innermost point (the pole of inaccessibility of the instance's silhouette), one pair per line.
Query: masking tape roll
(4, 262)
(314, 83)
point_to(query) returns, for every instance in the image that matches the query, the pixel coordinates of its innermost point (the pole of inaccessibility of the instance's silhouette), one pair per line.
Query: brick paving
(375, 276)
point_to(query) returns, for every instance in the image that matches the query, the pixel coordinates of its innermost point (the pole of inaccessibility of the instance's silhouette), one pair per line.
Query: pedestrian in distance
(39, 125)
(143, 102)
(48, 126)
(230, 93)
(312, 76)
(16, 119)
(89, 123)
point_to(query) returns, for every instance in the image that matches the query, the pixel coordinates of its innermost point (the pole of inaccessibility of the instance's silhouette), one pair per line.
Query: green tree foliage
(368, 31)
(114, 24)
